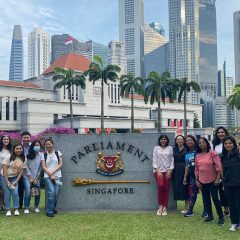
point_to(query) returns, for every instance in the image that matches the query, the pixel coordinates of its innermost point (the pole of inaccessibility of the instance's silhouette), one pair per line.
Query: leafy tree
(234, 99)
(196, 123)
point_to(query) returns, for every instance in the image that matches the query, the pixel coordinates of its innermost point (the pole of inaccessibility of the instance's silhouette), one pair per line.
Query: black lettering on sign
(138, 153)
(130, 148)
(74, 159)
(145, 158)
(80, 155)
(120, 147)
(109, 146)
(102, 145)
(94, 147)
(87, 149)
(88, 191)
(131, 190)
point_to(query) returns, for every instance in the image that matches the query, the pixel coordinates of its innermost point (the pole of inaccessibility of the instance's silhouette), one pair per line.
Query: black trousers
(211, 191)
(20, 192)
(233, 197)
(222, 195)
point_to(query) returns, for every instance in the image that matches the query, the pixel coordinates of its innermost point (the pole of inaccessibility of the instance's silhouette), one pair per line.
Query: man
(26, 142)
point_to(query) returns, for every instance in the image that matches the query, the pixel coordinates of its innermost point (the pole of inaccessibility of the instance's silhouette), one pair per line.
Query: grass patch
(112, 225)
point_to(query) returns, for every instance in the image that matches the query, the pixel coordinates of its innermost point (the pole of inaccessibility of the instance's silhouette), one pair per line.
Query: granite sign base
(108, 172)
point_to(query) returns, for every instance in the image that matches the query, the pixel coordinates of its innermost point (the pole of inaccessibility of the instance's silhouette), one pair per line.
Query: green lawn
(109, 225)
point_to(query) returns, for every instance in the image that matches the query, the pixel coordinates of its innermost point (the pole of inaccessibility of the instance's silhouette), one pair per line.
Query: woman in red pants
(163, 164)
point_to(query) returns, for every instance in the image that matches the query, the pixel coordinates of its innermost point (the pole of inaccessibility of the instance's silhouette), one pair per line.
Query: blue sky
(97, 20)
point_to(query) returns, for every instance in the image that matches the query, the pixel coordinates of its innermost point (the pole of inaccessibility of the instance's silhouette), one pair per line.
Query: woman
(208, 170)
(5, 149)
(31, 178)
(163, 164)
(190, 174)
(52, 164)
(13, 167)
(179, 152)
(217, 142)
(231, 179)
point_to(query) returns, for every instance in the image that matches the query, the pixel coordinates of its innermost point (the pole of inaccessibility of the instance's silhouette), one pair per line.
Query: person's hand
(9, 184)
(35, 182)
(30, 180)
(49, 173)
(169, 173)
(159, 173)
(185, 181)
(198, 184)
(217, 181)
(14, 184)
(53, 177)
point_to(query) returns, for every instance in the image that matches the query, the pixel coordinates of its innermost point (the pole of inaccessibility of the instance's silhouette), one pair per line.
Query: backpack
(56, 153)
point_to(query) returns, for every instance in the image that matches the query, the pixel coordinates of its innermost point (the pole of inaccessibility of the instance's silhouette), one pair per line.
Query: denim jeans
(8, 193)
(27, 193)
(52, 193)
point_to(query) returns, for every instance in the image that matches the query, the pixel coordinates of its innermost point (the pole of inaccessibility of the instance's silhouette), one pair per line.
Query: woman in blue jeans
(13, 167)
(52, 164)
(31, 177)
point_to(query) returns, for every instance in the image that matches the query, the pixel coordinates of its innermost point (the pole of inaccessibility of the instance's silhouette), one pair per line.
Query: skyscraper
(158, 28)
(16, 58)
(236, 26)
(184, 41)
(131, 33)
(38, 52)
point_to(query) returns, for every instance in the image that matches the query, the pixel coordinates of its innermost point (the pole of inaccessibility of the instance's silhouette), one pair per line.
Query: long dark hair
(235, 151)
(216, 139)
(194, 140)
(199, 150)
(9, 146)
(13, 156)
(31, 153)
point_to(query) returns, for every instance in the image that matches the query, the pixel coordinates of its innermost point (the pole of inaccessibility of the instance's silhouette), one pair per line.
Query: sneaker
(8, 214)
(220, 222)
(188, 214)
(164, 212)
(183, 211)
(238, 226)
(16, 212)
(204, 214)
(26, 211)
(55, 211)
(233, 228)
(226, 214)
(159, 212)
(50, 214)
(208, 220)
(36, 210)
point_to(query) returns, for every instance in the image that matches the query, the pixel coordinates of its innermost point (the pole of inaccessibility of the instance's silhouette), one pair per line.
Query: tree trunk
(185, 112)
(102, 106)
(71, 107)
(159, 118)
(132, 113)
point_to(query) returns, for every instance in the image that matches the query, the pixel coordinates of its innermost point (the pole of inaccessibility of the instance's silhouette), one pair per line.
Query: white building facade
(38, 52)
(131, 33)
(236, 26)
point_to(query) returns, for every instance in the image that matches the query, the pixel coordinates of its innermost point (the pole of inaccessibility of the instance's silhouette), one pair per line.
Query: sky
(96, 20)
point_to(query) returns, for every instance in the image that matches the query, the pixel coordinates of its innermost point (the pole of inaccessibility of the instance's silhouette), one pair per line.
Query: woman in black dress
(179, 152)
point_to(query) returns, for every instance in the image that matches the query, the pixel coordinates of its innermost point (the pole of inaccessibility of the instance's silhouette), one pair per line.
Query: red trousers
(163, 185)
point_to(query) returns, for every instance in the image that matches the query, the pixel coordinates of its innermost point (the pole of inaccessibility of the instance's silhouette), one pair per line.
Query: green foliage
(113, 130)
(103, 131)
(90, 132)
(234, 100)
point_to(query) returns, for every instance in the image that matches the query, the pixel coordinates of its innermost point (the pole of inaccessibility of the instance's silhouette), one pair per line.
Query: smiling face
(190, 143)
(6, 140)
(180, 141)
(18, 150)
(49, 146)
(26, 139)
(221, 134)
(163, 142)
(228, 145)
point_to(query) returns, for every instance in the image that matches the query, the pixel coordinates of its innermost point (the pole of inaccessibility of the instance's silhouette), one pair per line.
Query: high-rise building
(131, 33)
(152, 39)
(222, 81)
(16, 58)
(158, 28)
(236, 26)
(184, 41)
(116, 55)
(38, 52)
(232, 114)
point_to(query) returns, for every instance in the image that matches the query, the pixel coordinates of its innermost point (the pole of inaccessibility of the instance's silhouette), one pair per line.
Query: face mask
(36, 148)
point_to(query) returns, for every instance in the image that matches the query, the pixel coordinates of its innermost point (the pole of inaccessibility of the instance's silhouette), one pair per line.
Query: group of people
(196, 166)
(21, 167)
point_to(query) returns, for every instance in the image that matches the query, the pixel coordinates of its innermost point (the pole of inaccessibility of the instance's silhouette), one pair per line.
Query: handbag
(34, 190)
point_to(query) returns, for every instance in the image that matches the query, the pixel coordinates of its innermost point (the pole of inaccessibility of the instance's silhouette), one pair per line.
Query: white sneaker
(164, 212)
(36, 210)
(184, 211)
(26, 211)
(159, 212)
(8, 214)
(16, 212)
(233, 228)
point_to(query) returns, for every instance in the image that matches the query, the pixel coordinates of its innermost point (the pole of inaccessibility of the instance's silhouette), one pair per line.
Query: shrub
(113, 130)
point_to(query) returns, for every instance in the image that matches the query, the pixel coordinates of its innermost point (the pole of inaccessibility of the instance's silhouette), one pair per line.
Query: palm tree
(129, 85)
(234, 99)
(68, 78)
(97, 71)
(157, 88)
(186, 87)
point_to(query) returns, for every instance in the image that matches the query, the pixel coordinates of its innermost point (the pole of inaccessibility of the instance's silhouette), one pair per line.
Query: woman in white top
(220, 133)
(5, 149)
(163, 165)
(52, 164)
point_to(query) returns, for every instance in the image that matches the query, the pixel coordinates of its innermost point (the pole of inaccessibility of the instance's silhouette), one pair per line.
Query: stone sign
(108, 172)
